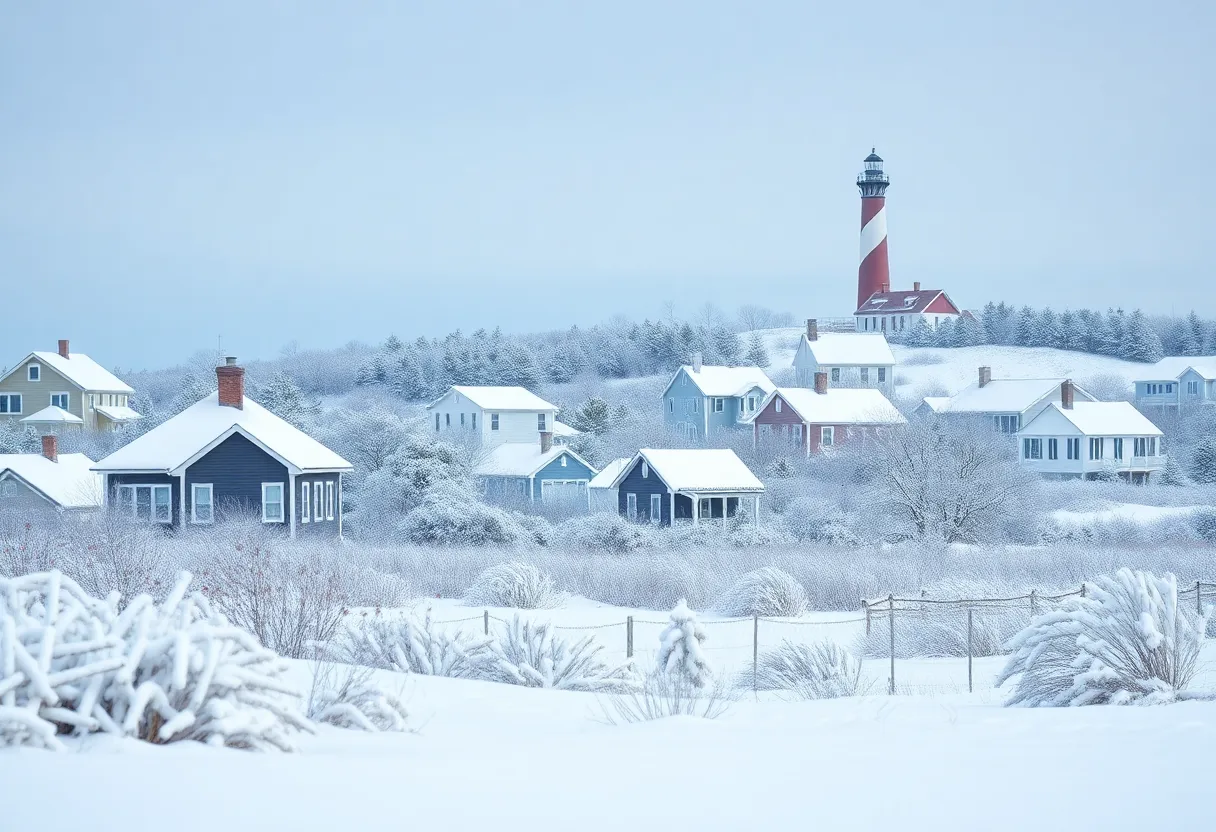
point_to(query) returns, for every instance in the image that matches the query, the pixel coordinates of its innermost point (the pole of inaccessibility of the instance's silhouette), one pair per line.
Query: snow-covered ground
(499, 757)
(1130, 512)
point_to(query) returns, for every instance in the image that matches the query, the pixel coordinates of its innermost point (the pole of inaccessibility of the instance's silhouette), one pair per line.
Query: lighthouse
(874, 273)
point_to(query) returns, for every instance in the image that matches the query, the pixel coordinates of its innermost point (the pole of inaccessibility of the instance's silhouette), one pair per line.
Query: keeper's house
(227, 453)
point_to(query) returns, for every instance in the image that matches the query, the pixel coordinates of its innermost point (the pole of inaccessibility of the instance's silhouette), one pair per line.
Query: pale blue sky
(326, 171)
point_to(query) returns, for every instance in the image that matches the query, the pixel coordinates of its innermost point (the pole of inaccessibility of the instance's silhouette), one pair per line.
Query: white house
(1009, 402)
(851, 359)
(1178, 381)
(493, 415)
(49, 480)
(888, 311)
(601, 488)
(700, 401)
(1086, 439)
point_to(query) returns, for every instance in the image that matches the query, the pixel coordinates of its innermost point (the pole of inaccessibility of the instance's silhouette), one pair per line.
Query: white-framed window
(474, 417)
(631, 506)
(147, 503)
(318, 501)
(696, 405)
(1169, 388)
(671, 405)
(1073, 448)
(706, 508)
(835, 374)
(540, 422)
(329, 501)
(719, 405)
(1007, 422)
(1032, 448)
(1192, 388)
(751, 404)
(202, 503)
(1053, 449)
(305, 503)
(656, 508)
(865, 375)
(827, 436)
(33, 372)
(882, 375)
(272, 502)
(493, 421)
(436, 423)
(462, 420)
(777, 405)
(447, 420)
(645, 469)
(1096, 447)
(563, 461)
(1144, 446)
(60, 400)
(10, 403)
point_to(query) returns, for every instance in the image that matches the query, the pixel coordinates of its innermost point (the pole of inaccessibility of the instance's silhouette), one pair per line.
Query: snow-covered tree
(1024, 332)
(680, 647)
(757, 355)
(1203, 461)
(1047, 329)
(920, 335)
(283, 397)
(969, 332)
(1127, 641)
(1140, 341)
(592, 416)
(16, 438)
(1073, 332)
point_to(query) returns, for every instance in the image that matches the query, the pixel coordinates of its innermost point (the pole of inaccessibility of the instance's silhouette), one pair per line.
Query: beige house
(59, 391)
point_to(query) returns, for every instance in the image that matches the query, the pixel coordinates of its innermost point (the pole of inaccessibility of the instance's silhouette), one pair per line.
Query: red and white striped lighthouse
(874, 273)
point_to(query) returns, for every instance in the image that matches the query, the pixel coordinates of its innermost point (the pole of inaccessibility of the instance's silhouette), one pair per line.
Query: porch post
(291, 504)
(696, 509)
(725, 500)
(756, 514)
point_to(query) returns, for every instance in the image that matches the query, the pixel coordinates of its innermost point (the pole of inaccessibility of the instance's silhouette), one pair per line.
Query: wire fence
(927, 640)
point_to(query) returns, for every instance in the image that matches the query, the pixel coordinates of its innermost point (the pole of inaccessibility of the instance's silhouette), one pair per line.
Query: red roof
(915, 300)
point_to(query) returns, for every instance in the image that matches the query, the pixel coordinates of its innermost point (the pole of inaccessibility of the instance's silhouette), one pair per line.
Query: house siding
(773, 422)
(574, 470)
(16, 495)
(237, 468)
(35, 395)
(314, 527)
(113, 481)
(694, 411)
(513, 425)
(643, 487)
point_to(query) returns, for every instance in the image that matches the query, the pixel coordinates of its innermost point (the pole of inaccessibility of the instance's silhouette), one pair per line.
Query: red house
(821, 418)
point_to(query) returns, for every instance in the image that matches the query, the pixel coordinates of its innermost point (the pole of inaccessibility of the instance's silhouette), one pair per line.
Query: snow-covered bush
(349, 699)
(680, 648)
(606, 532)
(515, 584)
(823, 670)
(665, 694)
(412, 645)
(445, 517)
(1127, 641)
(532, 654)
(767, 591)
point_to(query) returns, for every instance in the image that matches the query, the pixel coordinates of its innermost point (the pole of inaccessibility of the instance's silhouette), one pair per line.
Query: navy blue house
(696, 485)
(227, 455)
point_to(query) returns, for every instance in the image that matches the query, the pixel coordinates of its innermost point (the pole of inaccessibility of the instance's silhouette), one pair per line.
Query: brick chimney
(546, 441)
(812, 329)
(884, 288)
(232, 383)
(915, 285)
(1066, 394)
(50, 447)
(985, 376)
(821, 383)
(63, 348)
(696, 362)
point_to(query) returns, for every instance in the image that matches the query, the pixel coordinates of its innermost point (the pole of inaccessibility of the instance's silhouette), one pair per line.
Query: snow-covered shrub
(665, 694)
(412, 645)
(515, 584)
(1204, 521)
(606, 532)
(1127, 641)
(823, 670)
(680, 650)
(767, 591)
(450, 517)
(350, 700)
(534, 655)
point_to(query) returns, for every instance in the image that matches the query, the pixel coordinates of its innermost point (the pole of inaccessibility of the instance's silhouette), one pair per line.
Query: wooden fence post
(970, 677)
(755, 648)
(486, 621)
(891, 620)
(1034, 602)
(1198, 597)
(866, 604)
(1082, 589)
(629, 637)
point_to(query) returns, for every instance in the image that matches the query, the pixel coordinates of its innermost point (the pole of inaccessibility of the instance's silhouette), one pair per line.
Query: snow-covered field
(488, 756)
(1130, 512)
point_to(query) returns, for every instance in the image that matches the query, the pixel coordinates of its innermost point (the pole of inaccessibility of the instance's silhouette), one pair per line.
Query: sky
(320, 172)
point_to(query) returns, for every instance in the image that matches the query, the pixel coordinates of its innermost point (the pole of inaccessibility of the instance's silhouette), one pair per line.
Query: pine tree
(943, 336)
(1024, 333)
(1047, 329)
(757, 355)
(969, 332)
(16, 438)
(1203, 461)
(920, 335)
(726, 347)
(592, 416)
(1072, 332)
(680, 651)
(1193, 336)
(1172, 474)
(1111, 338)
(1140, 341)
(519, 368)
(284, 398)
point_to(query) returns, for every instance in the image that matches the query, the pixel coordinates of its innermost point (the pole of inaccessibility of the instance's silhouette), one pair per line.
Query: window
(1074, 448)
(1032, 448)
(318, 502)
(1119, 447)
(200, 503)
(462, 420)
(1192, 388)
(1095, 447)
(10, 403)
(696, 405)
(1169, 388)
(865, 375)
(272, 502)
(1144, 446)
(835, 374)
(147, 503)
(540, 422)
(493, 421)
(1053, 449)
(683, 380)
(305, 511)
(329, 501)
(631, 506)
(436, 423)
(827, 436)
(563, 461)
(474, 417)
(60, 400)
(882, 375)
(671, 405)
(706, 508)
(33, 372)
(1006, 422)
(777, 405)
(656, 508)
(447, 420)
(719, 405)
(645, 469)
(751, 404)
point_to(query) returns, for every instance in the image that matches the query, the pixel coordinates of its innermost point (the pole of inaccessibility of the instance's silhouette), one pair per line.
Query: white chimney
(696, 362)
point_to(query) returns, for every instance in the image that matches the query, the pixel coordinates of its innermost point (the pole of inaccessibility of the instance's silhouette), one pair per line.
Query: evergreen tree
(1172, 474)
(681, 653)
(757, 355)
(406, 378)
(726, 347)
(943, 336)
(1203, 461)
(969, 332)
(1072, 332)
(16, 438)
(519, 368)
(920, 335)
(283, 397)
(1024, 333)
(393, 344)
(1193, 337)
(592, 416)
(1140, 341)
(1111, 339)
(1047, 331)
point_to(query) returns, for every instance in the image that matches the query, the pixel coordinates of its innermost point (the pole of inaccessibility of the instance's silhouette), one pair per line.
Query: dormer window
(33, 372)
(645, 470)
(911, 301)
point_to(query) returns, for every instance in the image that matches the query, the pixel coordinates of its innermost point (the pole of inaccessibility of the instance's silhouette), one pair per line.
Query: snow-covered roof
(79, 369)
(562, 429)
(116, 413)
(607, 477)
(1005, 395)
(888, 303)
(203, 425)
(935, 403)
(67, 483)
(520, 459)
(54, 414)
(498, 398)
(726, 381)
(701, 470)
(838, 406)
(1171, 367)
(844, 349)
(1099, 419)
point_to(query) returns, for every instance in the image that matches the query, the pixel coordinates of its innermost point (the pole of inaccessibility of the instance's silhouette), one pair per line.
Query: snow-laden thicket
(767, 591)
(160, 672)
(536, 655)
(823, 670)
(412, 644)
(661, 695)
(681, 652)
(346, 697)
(1127, 641)
(516, 584)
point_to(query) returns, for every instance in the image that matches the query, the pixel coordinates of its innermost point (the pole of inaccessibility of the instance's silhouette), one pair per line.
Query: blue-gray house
(227, 453)
(535, 472)
(1177, 381)
(660, 486)
(701, 401)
